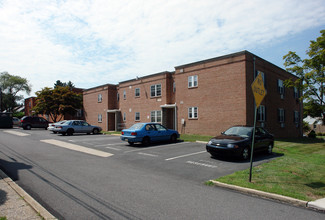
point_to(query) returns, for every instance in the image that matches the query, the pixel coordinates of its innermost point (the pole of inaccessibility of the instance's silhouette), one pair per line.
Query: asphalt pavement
(15, 203)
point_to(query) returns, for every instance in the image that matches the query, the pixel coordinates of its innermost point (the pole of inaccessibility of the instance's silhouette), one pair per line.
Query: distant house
(315, 124)
(204, 97)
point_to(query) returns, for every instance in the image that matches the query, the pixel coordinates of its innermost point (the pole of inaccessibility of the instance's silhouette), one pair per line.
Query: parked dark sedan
(237, 141)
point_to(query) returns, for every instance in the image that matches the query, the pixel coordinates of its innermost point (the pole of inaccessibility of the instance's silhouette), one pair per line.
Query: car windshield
(66, 123)
(239, 131)
(136, 127)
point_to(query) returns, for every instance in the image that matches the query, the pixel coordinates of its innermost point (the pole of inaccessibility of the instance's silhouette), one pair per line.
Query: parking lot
(185, 159)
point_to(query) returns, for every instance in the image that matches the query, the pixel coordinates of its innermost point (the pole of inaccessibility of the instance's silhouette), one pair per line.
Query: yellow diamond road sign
(259, 90)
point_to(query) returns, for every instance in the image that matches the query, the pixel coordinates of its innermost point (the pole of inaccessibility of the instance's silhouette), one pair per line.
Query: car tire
(95, 131)
(131, 143)
(28, 127)
(146, 141)
(173, 138)
(69, 132)
(270, 149)
(245, 153)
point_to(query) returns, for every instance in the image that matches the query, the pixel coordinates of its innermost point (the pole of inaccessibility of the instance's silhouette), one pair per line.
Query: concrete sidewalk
(15, 203)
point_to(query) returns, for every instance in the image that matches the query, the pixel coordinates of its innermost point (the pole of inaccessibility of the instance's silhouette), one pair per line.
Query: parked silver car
(76, 126)
(52, 126)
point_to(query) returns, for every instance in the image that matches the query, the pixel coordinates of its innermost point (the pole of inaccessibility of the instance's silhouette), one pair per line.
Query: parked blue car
(147, 133)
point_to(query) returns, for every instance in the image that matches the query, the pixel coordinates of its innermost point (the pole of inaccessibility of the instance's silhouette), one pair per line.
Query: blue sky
(93, 42)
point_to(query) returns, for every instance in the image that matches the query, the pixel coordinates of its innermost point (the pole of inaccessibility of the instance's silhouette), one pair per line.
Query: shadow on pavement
(3, 197)
(11, 168)
(258, 156)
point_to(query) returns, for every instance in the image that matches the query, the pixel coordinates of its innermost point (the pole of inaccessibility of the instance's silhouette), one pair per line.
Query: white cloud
(100, 41)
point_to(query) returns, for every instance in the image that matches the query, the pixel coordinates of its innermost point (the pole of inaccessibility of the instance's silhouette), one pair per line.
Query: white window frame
(281, 86)
(137, 92)
(192, 81)
(193, 113)
(296, 117)
(137, 116)
(156, 116)
(281, 115)
(295, 92)
(261, 113)
(100, 98)
(100, 118)
(155, 90)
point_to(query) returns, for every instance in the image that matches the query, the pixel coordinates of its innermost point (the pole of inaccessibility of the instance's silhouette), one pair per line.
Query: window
(296, 118)
(100, 98)
(281, 89)
(192, 113)
(261, 113)
(155, 90)
(118, 97)
(192, 81)
(174, 87)
(295, 92)
(137, 116)
(124, 94)
(124, 116)
(100, 117)
(137, 92)
(281, 115)
(160, 128)
(155, 116)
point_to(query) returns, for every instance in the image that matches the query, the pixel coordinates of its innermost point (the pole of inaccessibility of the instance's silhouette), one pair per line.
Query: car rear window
(136, 127)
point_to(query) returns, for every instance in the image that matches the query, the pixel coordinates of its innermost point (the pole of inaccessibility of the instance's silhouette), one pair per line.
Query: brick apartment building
(204, 97)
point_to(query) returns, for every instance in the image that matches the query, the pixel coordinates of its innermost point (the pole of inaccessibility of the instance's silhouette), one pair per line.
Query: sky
(95, 42)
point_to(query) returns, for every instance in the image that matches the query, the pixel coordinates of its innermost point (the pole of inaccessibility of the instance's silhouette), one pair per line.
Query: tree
(57, 102)
(10, 86)
(311, 73)
(63, 84)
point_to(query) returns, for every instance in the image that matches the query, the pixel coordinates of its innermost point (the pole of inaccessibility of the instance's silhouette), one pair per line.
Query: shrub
(312, 134)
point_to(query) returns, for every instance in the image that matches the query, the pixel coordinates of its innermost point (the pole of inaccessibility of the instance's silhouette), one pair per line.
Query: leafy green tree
(311, 73)
(57, 102)
(10, 86)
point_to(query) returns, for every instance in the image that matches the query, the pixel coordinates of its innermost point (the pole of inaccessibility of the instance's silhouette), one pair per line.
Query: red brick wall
(145, 103)
(220, 96)
(92, 107)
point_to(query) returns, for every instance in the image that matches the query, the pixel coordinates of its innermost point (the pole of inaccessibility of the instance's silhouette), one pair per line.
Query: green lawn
(194, 137)
(297, 172)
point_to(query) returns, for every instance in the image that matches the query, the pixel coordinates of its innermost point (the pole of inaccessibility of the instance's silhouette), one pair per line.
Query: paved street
(100, 177)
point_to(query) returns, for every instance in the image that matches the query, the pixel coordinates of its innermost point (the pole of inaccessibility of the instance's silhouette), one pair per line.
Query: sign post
(259, 94)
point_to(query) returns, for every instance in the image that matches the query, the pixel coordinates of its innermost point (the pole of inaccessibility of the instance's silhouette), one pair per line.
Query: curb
(296, 202)
(27, 198)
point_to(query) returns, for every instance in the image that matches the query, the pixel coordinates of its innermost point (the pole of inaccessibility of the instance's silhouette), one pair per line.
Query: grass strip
(298, 172)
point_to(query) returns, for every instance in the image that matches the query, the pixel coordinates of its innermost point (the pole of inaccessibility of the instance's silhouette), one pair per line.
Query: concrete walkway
(15, 203)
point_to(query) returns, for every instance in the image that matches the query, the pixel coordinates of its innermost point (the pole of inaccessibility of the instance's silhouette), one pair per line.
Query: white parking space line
(17, 133)
(186, 155)
(201, 164)
(160, 146)
(113, 148)
(150, 155)
(77, 148)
